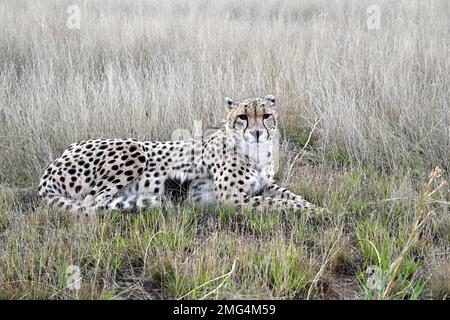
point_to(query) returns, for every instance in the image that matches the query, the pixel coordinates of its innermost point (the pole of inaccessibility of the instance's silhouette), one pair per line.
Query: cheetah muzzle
(235, 164)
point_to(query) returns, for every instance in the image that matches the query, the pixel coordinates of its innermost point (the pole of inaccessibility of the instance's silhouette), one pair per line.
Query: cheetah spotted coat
(235, 164)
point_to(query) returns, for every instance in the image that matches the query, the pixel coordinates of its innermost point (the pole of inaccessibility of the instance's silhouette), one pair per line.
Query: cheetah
(234, 164)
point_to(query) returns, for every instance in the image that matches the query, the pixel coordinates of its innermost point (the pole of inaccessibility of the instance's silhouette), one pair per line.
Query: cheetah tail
(64, 204)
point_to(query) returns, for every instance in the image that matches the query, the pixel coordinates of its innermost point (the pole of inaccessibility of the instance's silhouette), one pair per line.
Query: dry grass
(190, 252)
(145, 68)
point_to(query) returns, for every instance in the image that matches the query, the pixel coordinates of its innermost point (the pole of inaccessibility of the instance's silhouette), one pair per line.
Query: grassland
(376, 103)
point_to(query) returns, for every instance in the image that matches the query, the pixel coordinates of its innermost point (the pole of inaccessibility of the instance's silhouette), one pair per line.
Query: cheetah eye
(266, 116)
(242, 117)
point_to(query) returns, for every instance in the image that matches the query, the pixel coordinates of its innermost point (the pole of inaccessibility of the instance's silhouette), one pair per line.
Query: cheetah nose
(256, 133)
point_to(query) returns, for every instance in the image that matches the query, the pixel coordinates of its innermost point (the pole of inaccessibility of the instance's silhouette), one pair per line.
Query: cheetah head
(253, 120)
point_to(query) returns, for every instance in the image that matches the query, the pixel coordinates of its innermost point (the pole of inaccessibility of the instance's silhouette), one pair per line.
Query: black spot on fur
(141, 159)
(129, 163)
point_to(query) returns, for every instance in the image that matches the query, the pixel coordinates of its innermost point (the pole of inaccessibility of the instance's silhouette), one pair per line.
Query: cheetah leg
(262, 203)
(74, 206)
(279, 192)
(226, 191)
(105, 197)
(118, 172)
(134, 202)
(201, 191)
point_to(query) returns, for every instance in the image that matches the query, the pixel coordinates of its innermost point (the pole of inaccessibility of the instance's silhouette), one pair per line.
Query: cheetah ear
(230, 103)
(271, 98)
